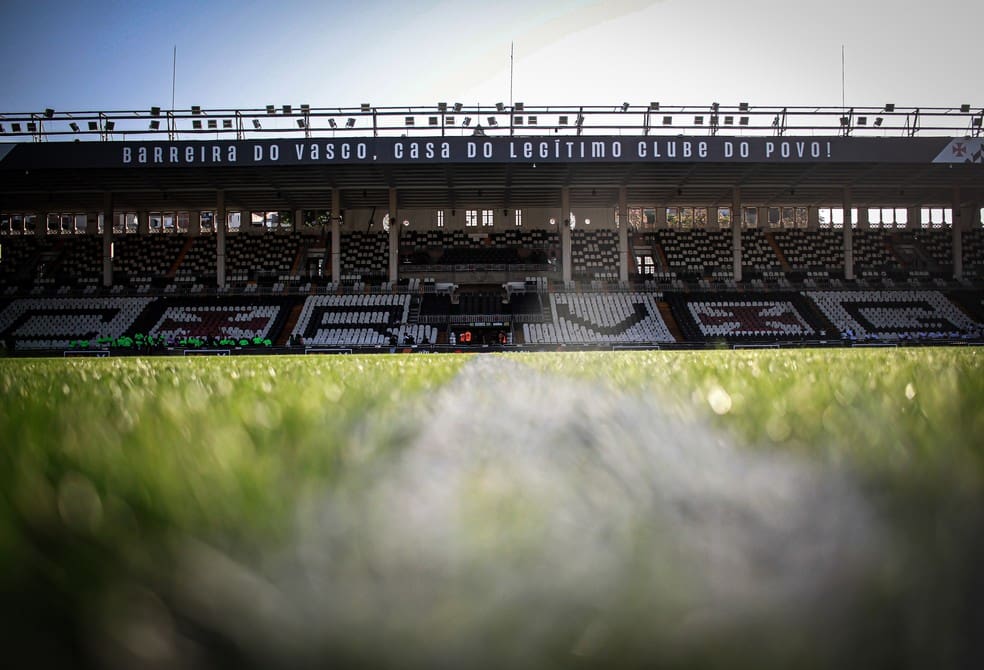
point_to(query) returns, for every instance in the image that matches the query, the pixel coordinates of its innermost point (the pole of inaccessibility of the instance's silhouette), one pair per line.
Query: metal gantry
(518, 119)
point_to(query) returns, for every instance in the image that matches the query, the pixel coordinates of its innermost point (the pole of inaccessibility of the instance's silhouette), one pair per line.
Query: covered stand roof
(520, 158)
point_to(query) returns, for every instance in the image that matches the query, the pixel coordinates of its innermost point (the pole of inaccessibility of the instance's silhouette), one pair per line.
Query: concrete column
(565, 233)
(107, 238)
(712, 219)
(220, 235)
(736, 221)
(623, 235)
(336, 235)
(41, 224)
(913, 223)
(298, 222)
(813, 218)
(394, 238)
(143, 223)
(864, 223)
(660, 216)
(848, 235)
(956, 232)
(194, 223)
(92, 223)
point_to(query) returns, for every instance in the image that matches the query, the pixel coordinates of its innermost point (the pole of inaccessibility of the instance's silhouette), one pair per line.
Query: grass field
(680, 509)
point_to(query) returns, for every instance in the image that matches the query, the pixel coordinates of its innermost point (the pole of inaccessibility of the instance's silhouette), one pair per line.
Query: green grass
(107, 464)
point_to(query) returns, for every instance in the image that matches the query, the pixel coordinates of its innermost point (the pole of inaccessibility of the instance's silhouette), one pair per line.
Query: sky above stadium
(118, 55)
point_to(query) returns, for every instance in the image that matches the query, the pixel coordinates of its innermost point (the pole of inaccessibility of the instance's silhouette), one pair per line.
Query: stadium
(368, 228)
(489, 384)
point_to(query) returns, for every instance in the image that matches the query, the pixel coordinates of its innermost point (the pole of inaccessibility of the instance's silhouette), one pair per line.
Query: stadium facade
(510, 225)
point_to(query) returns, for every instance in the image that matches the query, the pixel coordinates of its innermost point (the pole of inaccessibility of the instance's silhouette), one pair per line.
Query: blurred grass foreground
(777, 509)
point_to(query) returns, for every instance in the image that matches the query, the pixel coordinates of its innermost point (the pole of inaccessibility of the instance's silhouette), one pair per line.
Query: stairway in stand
(783, 263)
(295, 314)
(173, 270)
(670, 321)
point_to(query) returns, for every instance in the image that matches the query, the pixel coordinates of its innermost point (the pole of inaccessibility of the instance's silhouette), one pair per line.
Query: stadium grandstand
(507, 226)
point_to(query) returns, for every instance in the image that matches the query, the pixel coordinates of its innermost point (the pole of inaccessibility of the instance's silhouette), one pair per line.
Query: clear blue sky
(117, 55)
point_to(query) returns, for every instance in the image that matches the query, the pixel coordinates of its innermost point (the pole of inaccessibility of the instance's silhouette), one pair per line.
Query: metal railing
(445, 119)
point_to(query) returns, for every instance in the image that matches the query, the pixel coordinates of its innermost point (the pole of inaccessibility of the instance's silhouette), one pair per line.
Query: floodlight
(729, 120)
(457, 107)
(890, 107)
(305, 109)
(742, 106)
(155, 111)
(1, 129)
(587, 222)
(743, 121)
(332, 123)
(499, 107)
(449, 120)
(963, 108)
(256, 124)
(563, 120)
(31, 126)
(878, 121)
(715, 106)
(74, 126)
(518, 107)
(432, 120)
(698, 120)
(227, 123)
(213, 124)
(408, 121)
(196, 109)
(466, 122)
(518, 120)
(531, 121)
(110, 125)
(271, 109)
(365, 107)
(976, 121)
(350, 122)
(553, 221)
(155, 125)
(93, 125)
(15, 127)
(862, 120)
(844, 120)
(667, 120)
(492, 121)
(49, 112)
(301, 124)
(625, 106)
(442, 107)
(196, 124)
(654, 107)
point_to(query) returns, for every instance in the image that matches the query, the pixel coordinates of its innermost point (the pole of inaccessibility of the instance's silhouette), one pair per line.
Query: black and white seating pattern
(359, 320)
(204, 320)
(600, 318)
(748, 318)
(52, 323)
(893, 315)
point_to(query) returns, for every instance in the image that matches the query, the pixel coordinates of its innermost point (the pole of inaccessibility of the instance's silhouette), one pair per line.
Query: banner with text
(472, 150)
